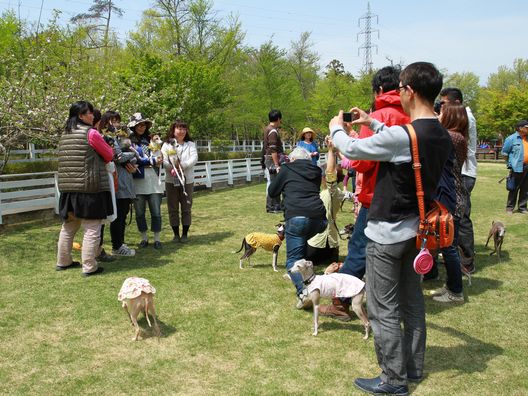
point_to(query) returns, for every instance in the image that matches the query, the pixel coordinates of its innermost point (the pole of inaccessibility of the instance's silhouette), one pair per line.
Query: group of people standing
(383, 243)
(104, 168)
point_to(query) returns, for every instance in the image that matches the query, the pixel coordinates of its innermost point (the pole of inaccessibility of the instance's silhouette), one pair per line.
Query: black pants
(117, 227)
(322, 256)
(519, 196)
(466, 239)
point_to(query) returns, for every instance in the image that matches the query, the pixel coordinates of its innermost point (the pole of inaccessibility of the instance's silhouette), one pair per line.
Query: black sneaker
(157, 245)
(143, 244)
(375, 386)
(74, 264)
(96, 272)
(105, 257)
(184, 238)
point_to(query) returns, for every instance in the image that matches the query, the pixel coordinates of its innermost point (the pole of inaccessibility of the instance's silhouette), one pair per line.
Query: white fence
(36, 191)
(248, 146)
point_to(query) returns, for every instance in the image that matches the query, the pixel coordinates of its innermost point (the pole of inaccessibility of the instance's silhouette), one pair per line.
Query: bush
(12, 168)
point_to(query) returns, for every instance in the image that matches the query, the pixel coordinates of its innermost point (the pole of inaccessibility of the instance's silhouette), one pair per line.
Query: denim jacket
(514, 150)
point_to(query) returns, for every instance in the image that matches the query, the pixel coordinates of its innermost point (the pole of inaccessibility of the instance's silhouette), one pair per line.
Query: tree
(468, 83)
(99, 11)
(304, 63)
(507, 77)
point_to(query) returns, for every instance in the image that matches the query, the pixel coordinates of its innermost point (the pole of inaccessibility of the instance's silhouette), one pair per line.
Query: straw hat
(137, 118)
(306, 129)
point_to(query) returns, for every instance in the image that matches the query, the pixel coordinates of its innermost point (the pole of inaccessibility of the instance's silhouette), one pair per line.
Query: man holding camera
(394, 293)
(273, 151)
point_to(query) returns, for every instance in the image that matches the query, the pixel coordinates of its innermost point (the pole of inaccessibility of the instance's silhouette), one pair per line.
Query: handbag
(437, 228)
(510, 182)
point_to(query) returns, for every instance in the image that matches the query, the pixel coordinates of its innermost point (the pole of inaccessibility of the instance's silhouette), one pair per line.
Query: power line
(367, 44)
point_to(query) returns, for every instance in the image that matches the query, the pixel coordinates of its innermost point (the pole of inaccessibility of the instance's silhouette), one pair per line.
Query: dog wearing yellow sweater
(268, 242)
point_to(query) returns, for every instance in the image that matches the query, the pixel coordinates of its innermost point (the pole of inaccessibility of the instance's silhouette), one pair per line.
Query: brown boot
(336, 311)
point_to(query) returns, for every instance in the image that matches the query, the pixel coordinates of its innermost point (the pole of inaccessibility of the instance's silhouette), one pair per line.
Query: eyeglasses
(404, 87)
(442, 102)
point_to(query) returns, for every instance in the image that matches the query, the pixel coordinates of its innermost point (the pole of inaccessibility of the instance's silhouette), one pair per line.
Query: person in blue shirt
(515, 150)
(307, 142)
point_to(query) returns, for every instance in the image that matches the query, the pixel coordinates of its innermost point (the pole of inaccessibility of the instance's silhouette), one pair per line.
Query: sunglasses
(404, 87)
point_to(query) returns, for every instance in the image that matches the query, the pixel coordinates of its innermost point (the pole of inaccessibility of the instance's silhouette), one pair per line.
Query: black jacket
(300, 183)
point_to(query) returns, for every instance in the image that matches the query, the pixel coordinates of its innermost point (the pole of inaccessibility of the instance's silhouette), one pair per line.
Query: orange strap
(417, 173)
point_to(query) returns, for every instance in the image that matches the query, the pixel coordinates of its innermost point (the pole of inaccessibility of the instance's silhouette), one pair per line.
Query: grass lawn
(227, 331)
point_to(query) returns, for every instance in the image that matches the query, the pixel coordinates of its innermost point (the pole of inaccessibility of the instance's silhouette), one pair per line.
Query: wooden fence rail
(36, 191)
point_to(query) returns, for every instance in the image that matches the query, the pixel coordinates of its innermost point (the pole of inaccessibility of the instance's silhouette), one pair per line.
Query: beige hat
(307, 129)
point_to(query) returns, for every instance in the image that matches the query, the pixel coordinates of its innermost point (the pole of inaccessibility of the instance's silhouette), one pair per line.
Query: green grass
(228, 331)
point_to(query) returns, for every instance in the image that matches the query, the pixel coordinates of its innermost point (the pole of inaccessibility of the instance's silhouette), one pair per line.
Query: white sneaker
(124, 250)
(303, 300)
(439, 292)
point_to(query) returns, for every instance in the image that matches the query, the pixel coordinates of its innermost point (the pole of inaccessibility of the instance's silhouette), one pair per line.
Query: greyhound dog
(268, 242)
(497, 231)
(333, 285)
(137, 295)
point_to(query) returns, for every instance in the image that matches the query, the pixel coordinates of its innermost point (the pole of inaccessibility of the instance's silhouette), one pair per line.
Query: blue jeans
(356, 259)
(154, 204)
(452, 263)
(298, 230)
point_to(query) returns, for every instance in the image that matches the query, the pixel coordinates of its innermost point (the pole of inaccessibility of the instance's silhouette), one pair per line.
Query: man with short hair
(466, 238)
(273, 150)
(394, 293)
(389, 111)
(515, 150)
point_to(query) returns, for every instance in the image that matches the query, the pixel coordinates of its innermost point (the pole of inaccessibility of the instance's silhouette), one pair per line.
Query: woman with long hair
(454, 118)
(179, 158)
(85, 198)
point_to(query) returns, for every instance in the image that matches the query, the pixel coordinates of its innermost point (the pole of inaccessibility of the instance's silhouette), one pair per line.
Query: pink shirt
(99, 145)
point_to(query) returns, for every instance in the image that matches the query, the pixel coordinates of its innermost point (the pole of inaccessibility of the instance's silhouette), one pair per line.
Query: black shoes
(96, 272)
(143, 244)
(157, 245)
(74, 264)
(184, 238)
(105, 257)
(375, 386)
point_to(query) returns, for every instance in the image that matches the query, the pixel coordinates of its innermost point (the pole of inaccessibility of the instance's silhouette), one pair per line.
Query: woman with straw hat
(307, 142)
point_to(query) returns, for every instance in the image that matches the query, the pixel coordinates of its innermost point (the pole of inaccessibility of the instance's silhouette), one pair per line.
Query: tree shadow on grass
(470, 356)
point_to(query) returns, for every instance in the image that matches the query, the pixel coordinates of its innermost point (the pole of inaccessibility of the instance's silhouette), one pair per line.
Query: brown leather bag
(437, 228)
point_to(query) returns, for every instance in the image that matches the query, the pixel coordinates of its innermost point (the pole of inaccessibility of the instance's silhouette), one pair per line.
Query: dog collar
(309, 280)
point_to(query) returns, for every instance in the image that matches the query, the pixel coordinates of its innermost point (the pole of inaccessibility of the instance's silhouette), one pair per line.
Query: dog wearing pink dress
(333, 285)
(137, 295)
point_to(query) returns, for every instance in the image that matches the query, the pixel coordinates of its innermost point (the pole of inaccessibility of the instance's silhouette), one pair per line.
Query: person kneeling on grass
(299, 181)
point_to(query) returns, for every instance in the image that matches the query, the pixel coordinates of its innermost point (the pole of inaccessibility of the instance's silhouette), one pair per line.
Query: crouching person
(323, 248)
(299, 181)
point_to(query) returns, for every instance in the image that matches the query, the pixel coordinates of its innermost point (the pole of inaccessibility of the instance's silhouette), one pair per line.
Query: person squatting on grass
(299, 182)
(85, 198)
(179, 154)
(146, 181)
(323, 248)
(394, 293)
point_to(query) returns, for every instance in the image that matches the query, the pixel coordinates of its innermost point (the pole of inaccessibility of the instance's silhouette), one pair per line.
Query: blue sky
(456, 35)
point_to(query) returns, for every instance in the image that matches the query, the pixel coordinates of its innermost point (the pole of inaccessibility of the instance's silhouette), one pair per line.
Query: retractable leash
(423, 262)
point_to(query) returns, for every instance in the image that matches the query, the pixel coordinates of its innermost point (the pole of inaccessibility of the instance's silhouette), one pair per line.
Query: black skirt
(90, 206)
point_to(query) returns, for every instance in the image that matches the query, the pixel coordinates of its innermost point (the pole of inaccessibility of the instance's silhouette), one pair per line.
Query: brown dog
(497, 231)
(137, 295)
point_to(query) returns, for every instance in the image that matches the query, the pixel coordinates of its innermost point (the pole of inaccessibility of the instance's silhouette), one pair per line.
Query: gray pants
(394, 296)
